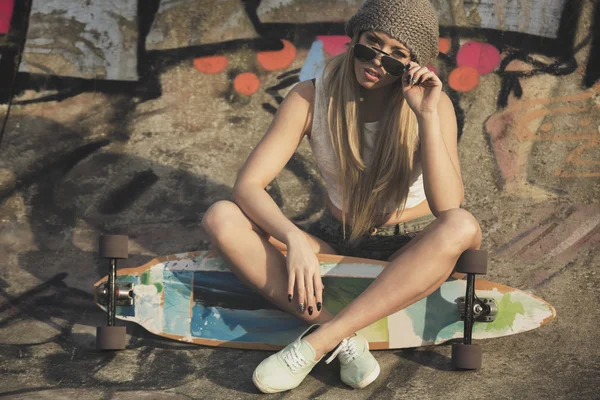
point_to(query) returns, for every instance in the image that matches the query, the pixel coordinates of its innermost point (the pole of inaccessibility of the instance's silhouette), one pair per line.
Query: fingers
(427, 79)
(301, 289)
(305, 288)
(309, 292)
(291, 282)
(318, 291)
(416, 75)
(311, 305)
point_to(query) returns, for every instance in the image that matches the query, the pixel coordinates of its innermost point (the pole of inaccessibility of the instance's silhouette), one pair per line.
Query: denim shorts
(378, 244)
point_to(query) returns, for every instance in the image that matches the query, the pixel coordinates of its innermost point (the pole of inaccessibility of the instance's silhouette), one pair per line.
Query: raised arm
(437, 131)
(439, 158)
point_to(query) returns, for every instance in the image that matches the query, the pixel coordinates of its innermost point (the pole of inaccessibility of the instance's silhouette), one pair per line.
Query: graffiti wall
(134, 117)
(95, 39)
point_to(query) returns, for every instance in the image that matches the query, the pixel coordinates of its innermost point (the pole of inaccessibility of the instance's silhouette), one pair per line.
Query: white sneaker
(286, 369)
(358, 366)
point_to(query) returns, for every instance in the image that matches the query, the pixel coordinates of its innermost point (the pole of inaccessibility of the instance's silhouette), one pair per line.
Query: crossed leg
(417, 271)
(256, 258)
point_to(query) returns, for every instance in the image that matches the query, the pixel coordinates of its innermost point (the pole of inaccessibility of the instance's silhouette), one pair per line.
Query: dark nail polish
(407, 67)
(289, 298)
(318, 306)
(408, 79)
(315, 293)
(310, 310)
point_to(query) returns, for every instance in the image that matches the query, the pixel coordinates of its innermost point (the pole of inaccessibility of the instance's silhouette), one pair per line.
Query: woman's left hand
(421, 89)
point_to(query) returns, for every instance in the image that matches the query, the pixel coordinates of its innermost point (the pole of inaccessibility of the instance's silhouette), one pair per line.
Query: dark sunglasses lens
(392, 66)
(363, 53)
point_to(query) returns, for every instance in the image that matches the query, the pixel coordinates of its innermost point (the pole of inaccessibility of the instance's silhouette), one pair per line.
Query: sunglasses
(390, 64)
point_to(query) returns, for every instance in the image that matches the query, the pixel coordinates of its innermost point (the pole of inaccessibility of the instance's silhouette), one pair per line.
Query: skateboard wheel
(114, 246)
(466, 356)
(472, 262)
(110, 337)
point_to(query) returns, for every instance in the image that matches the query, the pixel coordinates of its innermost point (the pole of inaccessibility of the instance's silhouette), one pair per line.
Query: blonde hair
(365, 191)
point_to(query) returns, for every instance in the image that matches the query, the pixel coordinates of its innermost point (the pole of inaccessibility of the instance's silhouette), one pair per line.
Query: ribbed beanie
(412, 22)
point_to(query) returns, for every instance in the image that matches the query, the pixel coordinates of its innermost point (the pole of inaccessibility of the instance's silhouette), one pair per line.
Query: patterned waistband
(403, 228)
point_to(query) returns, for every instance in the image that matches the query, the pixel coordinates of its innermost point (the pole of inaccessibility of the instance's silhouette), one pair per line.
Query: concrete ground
(90, 160)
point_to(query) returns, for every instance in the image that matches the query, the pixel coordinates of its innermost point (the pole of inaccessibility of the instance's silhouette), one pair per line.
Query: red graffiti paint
(481, 56)
(444, 45)
(211, 65)
(6, 11)
(246, 83)
(334, 45)
(278, 59)
(463, 79)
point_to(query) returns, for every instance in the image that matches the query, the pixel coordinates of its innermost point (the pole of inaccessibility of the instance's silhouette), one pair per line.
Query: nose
(377, 59)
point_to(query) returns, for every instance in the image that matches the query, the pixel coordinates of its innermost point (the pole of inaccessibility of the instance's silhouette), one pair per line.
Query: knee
(461, 230)
(219, 218)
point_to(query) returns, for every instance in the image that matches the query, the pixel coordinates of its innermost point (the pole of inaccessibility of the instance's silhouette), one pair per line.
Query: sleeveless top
(325, 158)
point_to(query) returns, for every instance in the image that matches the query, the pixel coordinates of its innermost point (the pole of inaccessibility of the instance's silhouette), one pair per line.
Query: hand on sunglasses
(415, 75)
(421, 88)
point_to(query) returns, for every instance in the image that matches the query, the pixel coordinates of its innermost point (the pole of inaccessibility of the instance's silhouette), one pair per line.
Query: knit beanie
(412, 22)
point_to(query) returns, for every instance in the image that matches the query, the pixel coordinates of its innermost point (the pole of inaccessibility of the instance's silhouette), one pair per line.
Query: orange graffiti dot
(463, 79)
(211, 65)
(279, 59)
(546, 127)
(444, 45)
(246, 83)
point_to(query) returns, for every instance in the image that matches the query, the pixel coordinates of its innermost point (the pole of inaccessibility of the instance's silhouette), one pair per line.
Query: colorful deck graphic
(194, 297)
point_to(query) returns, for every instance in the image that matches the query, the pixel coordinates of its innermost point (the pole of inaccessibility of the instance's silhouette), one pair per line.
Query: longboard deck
(193, 297)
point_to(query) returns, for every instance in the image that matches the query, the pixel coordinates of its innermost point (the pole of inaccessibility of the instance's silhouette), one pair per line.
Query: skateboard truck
(111, 337)
(467, 355)
(484, 309)
(123, 294)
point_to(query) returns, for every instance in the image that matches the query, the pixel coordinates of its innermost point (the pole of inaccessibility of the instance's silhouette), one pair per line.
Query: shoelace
(348, 353)
(293, 359)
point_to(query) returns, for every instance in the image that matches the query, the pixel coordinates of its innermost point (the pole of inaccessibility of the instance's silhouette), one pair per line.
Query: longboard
(193, 297)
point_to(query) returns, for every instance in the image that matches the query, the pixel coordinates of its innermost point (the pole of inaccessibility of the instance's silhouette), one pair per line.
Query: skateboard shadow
(426, 358)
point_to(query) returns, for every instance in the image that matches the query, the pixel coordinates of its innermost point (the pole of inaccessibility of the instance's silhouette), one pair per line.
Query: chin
(364, 83)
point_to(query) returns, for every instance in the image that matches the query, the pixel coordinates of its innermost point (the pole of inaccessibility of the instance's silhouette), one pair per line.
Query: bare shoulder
(305, 89)
(298, 106)
(295, 112)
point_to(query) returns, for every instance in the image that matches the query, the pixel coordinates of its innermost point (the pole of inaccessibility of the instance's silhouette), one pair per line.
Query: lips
(372, 72)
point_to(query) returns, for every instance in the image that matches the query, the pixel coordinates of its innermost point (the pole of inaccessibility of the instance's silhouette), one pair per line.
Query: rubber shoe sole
(263, 389)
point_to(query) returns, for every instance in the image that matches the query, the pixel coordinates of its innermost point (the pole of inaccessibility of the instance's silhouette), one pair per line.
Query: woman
(384, 138)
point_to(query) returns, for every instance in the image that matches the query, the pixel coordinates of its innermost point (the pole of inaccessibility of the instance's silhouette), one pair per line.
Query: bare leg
(413, 241)
(256, 259)
(414, 274)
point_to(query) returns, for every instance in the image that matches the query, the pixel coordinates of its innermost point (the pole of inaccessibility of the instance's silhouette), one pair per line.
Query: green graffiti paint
(145, 278)
(159, 287)
(339, 292)
(507, 312)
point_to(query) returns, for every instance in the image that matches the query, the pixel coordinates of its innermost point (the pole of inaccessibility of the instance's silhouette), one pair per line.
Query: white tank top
(326, 160)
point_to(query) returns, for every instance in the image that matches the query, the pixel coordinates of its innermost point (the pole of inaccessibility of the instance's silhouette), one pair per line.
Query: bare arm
(439, 157)
(442, 180)
(290, 124)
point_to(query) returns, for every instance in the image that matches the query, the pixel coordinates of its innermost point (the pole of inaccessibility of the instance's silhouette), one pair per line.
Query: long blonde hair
(365, 191)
